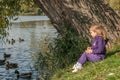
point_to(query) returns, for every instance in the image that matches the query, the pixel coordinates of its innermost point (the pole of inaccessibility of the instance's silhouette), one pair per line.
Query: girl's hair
(99, 30)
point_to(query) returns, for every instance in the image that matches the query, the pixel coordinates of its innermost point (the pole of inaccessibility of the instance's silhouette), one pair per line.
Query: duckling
(2, 62)
(23, 75)
(7, 55)
(11, 65)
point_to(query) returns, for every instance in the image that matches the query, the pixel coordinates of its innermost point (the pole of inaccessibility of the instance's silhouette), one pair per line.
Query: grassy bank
(108, 69)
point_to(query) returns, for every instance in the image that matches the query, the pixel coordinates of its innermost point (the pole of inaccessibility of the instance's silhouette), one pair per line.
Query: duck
(7, 40)
(11, 65)
(2, 62)
(21, 40)
(7, 55)
(12, 41)
(23, 75)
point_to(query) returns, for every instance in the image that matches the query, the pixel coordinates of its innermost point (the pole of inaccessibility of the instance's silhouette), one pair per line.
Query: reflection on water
(23, 40)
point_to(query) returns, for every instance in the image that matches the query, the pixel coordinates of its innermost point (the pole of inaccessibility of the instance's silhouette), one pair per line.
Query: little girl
(96, 52)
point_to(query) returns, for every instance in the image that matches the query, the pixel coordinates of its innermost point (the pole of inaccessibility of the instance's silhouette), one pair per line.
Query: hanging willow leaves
(9, 9)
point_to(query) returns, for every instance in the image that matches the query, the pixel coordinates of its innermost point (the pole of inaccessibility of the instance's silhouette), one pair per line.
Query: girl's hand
(89, 50)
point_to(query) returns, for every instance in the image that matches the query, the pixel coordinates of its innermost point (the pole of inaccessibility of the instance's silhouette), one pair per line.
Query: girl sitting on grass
(97, 51)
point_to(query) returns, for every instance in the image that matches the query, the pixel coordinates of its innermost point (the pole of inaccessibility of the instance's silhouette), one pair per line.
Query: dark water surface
(22, 42)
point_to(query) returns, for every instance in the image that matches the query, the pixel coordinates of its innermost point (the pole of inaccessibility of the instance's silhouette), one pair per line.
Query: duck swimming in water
(12, 41)
(23, 75)
(11, 65)
(6, 55)
(21, 40)
(2, 62)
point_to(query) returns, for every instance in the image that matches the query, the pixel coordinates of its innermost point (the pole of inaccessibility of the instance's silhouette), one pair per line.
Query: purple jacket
(98, 46)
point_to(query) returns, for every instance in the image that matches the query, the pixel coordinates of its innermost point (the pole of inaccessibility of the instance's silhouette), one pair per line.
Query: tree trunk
(81, 14)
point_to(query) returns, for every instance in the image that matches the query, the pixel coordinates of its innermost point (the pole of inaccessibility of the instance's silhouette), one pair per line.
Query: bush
(68, 49)
(65, 50)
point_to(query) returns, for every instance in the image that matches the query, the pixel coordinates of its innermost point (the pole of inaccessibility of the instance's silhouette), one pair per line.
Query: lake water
(23, 41)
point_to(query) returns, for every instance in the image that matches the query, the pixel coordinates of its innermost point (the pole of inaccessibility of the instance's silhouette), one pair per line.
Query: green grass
(108, 69)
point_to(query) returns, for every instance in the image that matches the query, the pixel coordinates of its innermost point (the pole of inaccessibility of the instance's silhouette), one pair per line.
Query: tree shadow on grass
(113, 52)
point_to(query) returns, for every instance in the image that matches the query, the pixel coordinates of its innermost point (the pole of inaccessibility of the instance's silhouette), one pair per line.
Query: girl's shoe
(77, 67)
(75, 70)
(74, 67)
